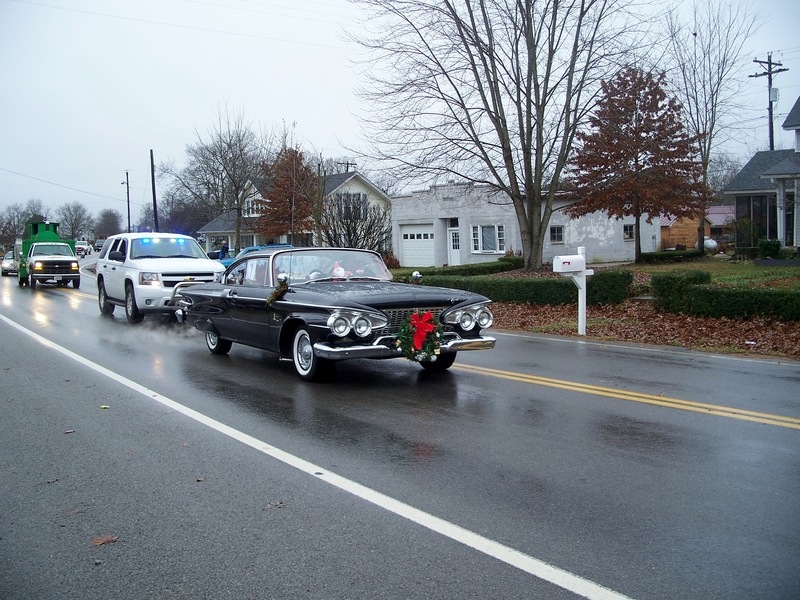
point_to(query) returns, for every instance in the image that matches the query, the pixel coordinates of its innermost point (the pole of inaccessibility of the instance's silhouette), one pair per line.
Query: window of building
(488, 238)
(556, 234)
(627, 233)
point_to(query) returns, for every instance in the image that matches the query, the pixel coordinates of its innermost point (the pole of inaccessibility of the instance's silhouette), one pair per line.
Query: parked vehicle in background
(46, 258)
(82, 248)
(9, 265)
(142, 272)
(270, 247)
(316, 306)
(98, 244)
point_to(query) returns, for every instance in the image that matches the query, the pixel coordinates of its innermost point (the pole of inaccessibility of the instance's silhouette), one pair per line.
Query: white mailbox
(570, 263)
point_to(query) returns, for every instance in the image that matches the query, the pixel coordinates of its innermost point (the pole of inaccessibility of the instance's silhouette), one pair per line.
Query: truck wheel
(76, 283)
(31, 282)
(131, 310)
(106, 308)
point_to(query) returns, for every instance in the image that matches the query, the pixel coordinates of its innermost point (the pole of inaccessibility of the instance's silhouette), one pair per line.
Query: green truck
(45, 258)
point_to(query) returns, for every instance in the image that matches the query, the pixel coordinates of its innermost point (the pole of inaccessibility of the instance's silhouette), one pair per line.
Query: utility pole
(347, 165)
(153, 179)
(127, 185)
(770, 71)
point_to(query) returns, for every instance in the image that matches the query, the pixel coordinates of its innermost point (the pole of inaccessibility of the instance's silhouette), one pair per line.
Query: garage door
(416, 245)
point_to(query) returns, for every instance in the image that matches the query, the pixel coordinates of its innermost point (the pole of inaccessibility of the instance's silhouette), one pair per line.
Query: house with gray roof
(765, 191)
(351, 185)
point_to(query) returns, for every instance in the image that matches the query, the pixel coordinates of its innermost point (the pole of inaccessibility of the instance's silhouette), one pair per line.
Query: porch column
(781, 212)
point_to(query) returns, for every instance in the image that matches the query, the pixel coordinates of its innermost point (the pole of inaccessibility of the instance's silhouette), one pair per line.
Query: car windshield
(163, 247)
(54, 249)
(321, 264)
(9, 255)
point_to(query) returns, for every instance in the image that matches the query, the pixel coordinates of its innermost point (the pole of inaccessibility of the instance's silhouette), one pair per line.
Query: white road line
(559, 577)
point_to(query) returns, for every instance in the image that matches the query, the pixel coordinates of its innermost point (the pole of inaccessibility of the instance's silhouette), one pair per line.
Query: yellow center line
(657, 400)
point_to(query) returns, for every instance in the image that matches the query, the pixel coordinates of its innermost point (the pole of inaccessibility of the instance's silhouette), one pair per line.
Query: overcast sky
(89, 87)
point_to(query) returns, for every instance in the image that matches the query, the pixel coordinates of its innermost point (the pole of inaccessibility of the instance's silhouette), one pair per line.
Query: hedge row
(671, 256)
(605, 287)
(688, 292)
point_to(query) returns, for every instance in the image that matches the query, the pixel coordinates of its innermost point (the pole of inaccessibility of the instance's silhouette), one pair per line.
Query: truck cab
(46, 258)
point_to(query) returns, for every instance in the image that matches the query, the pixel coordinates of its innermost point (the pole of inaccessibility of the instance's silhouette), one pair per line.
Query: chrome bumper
(381, 349)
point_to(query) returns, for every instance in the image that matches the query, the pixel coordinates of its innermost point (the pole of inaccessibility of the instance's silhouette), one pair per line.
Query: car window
(256, 271)
(236, 275)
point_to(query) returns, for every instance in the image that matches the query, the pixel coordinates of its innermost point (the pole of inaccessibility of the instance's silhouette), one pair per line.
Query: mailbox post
(574, 265)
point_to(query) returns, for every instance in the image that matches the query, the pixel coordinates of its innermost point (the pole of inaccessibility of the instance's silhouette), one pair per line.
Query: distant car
(142, 272)
(98, 244)
(228, 261)
(316, 306)
(82, 248)
(9, 264)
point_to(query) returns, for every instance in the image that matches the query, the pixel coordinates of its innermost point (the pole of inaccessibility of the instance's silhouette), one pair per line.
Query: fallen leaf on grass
(104, 539)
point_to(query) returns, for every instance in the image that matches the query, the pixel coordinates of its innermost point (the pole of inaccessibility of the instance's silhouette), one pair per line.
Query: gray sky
(89, 87)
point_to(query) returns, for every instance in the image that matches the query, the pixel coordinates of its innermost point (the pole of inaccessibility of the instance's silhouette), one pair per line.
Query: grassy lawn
(731, 274)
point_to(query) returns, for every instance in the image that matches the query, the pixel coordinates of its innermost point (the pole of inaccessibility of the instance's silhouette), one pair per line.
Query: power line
(66, 187)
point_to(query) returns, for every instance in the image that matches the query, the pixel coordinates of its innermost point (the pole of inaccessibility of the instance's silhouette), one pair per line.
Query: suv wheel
(106, 308)
(131, 309)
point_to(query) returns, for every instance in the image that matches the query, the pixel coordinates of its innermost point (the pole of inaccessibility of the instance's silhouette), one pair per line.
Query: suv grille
(56, 268)
(171, 279)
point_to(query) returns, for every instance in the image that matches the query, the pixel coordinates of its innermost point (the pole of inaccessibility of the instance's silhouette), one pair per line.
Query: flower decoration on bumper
(419, 338)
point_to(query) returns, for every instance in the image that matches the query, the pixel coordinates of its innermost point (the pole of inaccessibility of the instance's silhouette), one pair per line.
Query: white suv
(141, 271)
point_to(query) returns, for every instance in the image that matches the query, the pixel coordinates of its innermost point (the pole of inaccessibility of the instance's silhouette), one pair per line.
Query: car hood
(167, 265)
(51, 257)
(382, 295)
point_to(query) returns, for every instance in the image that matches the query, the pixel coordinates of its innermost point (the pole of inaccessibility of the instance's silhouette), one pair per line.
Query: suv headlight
(149, 279)
(468, 317)
(361, 323)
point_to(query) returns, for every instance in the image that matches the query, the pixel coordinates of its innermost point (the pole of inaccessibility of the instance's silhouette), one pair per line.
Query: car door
(113, 271)
(247, 305)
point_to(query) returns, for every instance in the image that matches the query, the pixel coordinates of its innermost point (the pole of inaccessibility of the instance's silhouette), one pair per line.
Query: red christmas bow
(422, 326)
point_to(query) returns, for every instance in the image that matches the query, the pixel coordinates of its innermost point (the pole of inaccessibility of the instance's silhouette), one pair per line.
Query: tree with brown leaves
(638, 159)
(292, 191)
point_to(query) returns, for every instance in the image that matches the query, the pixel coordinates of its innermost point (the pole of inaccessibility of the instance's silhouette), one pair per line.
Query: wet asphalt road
(638, 472)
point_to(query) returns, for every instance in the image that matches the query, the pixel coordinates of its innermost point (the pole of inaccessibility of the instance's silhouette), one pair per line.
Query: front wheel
(131, 309)
(216, 344)
(76, 283)
(442, 363)
(31, 282)
(308, 365)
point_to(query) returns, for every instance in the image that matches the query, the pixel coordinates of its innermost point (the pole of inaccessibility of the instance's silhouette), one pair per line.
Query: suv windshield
(54, 249)
(157, 247)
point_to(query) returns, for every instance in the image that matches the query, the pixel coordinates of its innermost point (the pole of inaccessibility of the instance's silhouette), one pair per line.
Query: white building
(463, 223)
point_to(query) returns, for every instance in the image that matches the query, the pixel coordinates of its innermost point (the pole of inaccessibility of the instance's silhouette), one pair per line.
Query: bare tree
(707, 52)
(488, 91)
(221, 170)
(13, 219)
(109, 222)
(35, 210)
(351, 221)
(76, 221)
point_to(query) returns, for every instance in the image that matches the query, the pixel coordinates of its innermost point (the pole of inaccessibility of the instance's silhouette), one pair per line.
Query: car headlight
(342, 322)
(149, 279)
(468, 317)
(37, 266)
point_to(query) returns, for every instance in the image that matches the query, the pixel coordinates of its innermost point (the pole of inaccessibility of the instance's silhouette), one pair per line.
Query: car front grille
(170, 280)
(398, 316)
(56, 268)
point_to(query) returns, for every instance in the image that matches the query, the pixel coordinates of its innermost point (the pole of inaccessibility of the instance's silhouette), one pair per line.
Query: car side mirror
(116, 255)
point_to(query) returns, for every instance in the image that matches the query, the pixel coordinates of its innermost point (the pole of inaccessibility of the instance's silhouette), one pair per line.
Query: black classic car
(316, 306)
